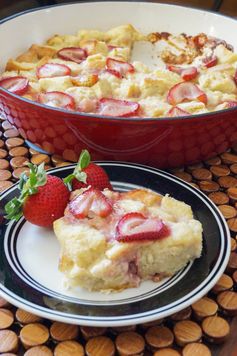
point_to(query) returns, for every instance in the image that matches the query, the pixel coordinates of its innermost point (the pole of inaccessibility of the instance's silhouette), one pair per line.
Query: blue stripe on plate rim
(154, 314)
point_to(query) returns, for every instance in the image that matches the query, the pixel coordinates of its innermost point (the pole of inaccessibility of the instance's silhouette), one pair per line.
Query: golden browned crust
(148, 197)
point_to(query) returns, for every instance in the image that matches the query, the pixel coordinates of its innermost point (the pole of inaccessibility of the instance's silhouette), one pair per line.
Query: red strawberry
(74, 54)
(187, 73)
(87, 173)
(50, 70)
(119, 68)
(119, 108)
(136, 227)
(42, 200)
(17, 85)
(185, 91)
(176, 111)
(210, 61)
(57, 99)
(91, 202)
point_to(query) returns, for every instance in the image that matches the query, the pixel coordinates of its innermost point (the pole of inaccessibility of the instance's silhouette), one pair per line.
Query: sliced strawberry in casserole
(17, 85)
(118, 68)
(90, 203)
(74, 54)
(176, 111)
(185, 91)
(57, 99)
(136, 227)
(209, 62)
(188, 73)
(50, 70)
(119, 108)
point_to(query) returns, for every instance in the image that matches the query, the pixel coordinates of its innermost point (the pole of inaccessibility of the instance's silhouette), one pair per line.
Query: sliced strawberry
(17, 85)
(185, 91)
(74, 54)
(136, 227)
(176, 111)
(85, 80)
(118, 68)
(119, 108)
(50, 70)
(210, 61)
(188, 73)
(57, 99)
(90, 203)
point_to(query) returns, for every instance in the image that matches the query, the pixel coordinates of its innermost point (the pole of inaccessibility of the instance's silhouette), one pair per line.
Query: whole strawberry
(43, 198)
(87, 173)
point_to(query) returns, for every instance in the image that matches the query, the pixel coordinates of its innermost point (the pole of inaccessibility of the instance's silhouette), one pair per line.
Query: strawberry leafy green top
(84, 161)
(28, 186)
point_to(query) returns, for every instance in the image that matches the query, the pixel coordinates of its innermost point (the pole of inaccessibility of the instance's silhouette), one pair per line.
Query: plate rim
(138, 319)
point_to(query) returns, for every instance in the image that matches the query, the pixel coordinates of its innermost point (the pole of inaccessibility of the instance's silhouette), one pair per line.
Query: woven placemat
(192, 332)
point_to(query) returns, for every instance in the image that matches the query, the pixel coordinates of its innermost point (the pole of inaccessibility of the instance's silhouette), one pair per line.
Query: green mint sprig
(28, 185)
(83, 162)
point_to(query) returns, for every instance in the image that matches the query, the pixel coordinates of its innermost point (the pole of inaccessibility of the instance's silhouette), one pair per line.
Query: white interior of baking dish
(20, 32)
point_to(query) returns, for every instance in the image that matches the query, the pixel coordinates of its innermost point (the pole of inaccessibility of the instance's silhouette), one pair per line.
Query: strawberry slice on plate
(119, 68)
(176, 111)
(210, 61)
(185, 91)
(187, 73)
(119, 108)
(50, 70)
(57, 99)
(90, 203)
(16, 85)
(74, 54)
(136, 227)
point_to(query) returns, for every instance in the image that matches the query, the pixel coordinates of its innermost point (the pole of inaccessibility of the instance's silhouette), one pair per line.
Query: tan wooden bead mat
(208, 327)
